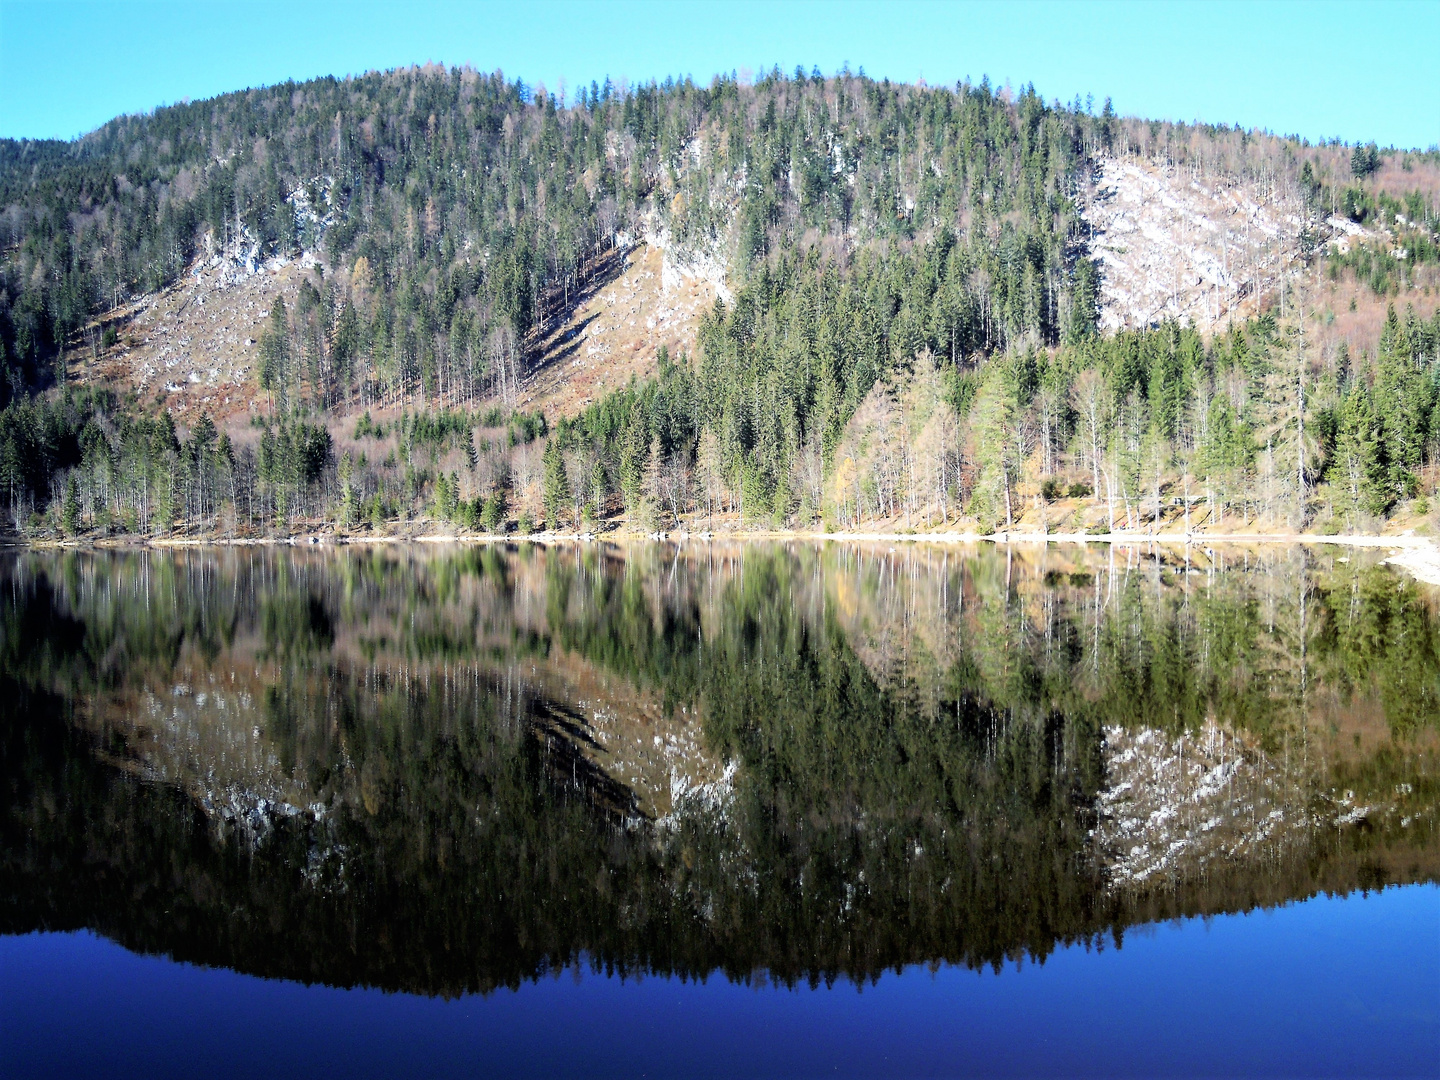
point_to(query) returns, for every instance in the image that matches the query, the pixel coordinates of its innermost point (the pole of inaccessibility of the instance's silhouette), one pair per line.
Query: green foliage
(527, 427)
(492, 513)
(275, 370)
(556, 486)
(1388, 264)
(294, 453)
(1359, 469)
(447, 500)
(880, 232)
(1364, 160)
(1229, 448)
(366, 427)
(458, 213)
(291, 461)
(70, 512)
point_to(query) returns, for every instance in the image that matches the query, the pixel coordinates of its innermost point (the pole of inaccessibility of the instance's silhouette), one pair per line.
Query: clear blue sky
(1354, 70)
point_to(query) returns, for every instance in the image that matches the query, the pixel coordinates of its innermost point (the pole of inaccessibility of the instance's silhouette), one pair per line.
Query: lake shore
(1418, 556)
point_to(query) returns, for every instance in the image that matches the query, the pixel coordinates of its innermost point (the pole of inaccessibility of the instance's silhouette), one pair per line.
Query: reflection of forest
(456, 769)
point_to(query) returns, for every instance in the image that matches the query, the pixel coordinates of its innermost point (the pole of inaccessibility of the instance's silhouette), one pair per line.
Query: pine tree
(492, 515)
(1360, 468)
(275, 354)
(1364, 160)
(70, 511)
(1228, 451)
(993, 427)
(555, 484)
(1404, 398)
(652, 499)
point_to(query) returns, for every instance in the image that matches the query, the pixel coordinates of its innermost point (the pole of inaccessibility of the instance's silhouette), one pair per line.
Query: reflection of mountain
(451, 772)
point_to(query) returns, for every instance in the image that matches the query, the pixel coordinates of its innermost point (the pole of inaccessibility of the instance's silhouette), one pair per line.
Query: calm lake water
(718, 810)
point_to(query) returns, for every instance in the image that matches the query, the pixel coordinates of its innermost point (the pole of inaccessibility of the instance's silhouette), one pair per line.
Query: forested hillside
(906, 333)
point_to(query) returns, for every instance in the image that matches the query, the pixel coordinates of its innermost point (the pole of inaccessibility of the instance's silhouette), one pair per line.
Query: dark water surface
(718, 810)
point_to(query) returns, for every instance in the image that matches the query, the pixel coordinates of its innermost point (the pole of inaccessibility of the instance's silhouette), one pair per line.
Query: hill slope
(914, 283)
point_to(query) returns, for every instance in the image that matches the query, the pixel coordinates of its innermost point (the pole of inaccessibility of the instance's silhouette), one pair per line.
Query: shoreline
(1419, 556)
(326, 539)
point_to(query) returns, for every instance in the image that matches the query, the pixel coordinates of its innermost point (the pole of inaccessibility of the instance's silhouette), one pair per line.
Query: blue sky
(1357, 71)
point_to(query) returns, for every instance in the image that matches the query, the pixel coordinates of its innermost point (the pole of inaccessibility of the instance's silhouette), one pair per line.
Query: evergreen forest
(908, 338)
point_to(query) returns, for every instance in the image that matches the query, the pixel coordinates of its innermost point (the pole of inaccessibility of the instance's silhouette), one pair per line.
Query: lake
(718, 809)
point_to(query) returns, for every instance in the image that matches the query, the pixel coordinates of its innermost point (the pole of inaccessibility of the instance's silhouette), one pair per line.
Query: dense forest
(909, 338)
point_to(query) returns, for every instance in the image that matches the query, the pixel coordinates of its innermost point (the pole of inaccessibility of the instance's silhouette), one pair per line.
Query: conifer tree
(555, 483)
(1360, 465)
(275, 355)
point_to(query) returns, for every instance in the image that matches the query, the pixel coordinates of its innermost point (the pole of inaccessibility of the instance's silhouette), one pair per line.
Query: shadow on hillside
(557, 339)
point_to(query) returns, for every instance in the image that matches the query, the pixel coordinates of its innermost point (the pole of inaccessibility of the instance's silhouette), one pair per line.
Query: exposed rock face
(1174, 246)
(196, 344)
(208, 738)
(682, 265)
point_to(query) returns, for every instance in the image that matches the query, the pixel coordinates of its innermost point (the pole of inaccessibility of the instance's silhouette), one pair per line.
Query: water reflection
(446, 770)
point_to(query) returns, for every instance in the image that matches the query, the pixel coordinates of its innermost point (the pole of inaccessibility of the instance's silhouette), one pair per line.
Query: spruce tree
(1360, 468)
(555, 484)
